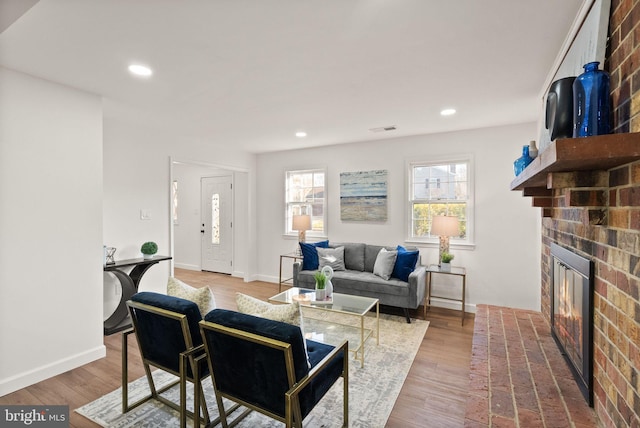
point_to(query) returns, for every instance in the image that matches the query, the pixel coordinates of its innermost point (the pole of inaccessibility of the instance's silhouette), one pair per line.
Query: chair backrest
(165, 326)
(252, 359)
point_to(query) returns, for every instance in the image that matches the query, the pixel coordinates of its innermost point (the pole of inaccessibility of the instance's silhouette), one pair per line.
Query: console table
(129, 281)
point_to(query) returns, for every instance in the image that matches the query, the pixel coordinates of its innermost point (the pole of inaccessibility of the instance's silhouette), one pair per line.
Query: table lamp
(445, 226)
(301, 223)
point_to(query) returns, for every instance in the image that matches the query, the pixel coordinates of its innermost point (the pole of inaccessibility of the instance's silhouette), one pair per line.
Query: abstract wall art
(363, 196)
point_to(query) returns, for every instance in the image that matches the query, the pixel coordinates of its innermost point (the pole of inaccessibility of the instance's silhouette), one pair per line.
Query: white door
(217, 243)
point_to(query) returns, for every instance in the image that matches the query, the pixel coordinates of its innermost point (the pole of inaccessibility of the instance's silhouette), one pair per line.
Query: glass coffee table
(330, 320)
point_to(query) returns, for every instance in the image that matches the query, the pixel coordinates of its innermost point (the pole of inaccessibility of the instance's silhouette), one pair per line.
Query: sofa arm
(417, 280)
(297, 267)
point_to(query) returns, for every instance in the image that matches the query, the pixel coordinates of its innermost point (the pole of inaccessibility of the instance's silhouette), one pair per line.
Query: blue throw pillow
(310, 259)
(405, 263)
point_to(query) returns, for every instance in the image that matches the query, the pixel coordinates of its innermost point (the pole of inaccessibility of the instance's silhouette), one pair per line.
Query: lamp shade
(445, 226)
(301, 222)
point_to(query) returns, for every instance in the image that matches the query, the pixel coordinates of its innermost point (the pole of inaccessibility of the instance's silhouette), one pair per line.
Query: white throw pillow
(289, 313)
(385, 261)
(203, 297)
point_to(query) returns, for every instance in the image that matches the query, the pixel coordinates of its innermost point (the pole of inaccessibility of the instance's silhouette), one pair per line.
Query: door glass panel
(215, 218)
(174, 190)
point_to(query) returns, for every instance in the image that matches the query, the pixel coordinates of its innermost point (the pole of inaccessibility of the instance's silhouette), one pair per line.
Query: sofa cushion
(310, 254)
(353, 256)
(371, 254)
(405, 263)
(358, 283)
(385, 261)
(333, 257)
(321, 384)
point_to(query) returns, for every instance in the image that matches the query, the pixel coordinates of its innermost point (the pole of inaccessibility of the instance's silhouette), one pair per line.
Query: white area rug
(373, 389)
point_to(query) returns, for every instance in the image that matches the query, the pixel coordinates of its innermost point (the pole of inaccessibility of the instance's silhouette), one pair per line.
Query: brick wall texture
(603, 224)
(623, 63)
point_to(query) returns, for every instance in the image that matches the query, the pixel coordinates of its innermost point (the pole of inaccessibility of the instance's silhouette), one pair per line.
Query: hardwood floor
(434, 393)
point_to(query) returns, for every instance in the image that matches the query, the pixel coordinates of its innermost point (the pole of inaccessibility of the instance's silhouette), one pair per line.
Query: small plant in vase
(148, 249)
(321, 281)
(445, 261)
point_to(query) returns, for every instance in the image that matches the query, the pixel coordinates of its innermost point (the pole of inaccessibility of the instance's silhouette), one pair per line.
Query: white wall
(504, 267)
(137, 175)
(50, 229)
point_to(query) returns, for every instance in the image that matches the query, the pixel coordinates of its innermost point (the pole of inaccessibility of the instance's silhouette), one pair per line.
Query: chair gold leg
(183, 396)
(125, 374)
(223, 415)
(345, 398)
(288, 412)
(126, 406)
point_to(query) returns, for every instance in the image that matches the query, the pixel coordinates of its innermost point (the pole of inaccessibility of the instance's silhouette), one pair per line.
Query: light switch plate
(145, 214)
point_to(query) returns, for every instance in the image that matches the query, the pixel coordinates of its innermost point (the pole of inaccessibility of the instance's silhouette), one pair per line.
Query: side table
(456, 271)
(287, 281)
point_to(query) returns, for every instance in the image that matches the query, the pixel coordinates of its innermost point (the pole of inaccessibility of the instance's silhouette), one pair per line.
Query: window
(305, 194)
(174, 198)
(440, 188)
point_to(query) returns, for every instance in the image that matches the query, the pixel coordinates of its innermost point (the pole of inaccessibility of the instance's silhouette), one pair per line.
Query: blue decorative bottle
(591, 102)
(521, 163)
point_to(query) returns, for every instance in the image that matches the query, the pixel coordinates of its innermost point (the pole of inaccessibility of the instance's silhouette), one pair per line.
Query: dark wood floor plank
(434, 394)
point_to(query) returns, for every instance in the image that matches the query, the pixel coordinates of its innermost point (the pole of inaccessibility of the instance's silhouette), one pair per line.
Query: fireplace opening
(572, 314)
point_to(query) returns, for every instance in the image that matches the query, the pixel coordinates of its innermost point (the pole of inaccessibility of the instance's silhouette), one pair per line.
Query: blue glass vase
(591, 102)
(521, 163)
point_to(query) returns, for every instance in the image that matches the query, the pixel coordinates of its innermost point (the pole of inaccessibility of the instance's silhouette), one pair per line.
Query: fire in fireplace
(572, 314)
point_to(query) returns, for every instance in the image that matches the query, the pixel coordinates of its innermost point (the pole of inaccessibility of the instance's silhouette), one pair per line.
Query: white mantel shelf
(598, 153)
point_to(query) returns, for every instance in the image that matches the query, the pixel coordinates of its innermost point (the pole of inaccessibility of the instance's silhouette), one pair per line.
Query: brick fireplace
(605, 229)
(589, 194)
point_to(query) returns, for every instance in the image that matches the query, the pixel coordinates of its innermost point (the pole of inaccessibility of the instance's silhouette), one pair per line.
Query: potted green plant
(445, 261)
(148, 249)
(321, 281)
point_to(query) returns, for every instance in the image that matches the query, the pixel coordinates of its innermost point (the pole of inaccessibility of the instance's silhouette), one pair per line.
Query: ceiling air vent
(383, 129)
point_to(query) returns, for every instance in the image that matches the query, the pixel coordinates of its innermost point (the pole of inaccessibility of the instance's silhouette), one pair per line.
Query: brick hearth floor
(518, 377)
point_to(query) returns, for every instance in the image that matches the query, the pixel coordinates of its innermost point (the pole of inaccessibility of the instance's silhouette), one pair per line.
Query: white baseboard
(237, 274)
(439, 303)
(186, 266)
(22, 380)
(266, 278)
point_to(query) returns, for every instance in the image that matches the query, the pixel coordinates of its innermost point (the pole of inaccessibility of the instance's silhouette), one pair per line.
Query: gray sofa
(358, 278)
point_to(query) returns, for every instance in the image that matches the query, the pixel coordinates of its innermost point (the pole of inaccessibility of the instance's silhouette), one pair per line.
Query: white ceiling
(250, 73)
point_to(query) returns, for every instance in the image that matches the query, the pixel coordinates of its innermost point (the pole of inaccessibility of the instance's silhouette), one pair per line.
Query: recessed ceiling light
(301, 134)
(140, 70)
(448, 112)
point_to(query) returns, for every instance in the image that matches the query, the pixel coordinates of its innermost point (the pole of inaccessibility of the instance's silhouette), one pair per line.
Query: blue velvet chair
(263, 365)
(168, 336)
